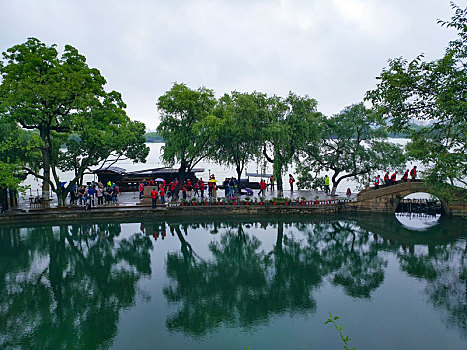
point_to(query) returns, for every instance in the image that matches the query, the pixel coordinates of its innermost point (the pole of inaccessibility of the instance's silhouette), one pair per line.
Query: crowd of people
(392, 180)
(95, 194)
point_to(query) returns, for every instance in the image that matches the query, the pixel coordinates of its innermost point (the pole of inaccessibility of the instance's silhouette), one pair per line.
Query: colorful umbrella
(159, 180)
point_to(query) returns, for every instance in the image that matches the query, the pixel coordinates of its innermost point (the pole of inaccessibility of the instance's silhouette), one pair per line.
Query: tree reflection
(242, 285)
(66, 285)
(444, 268)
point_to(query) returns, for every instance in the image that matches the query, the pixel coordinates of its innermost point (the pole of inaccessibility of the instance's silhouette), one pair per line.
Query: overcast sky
(330, 50)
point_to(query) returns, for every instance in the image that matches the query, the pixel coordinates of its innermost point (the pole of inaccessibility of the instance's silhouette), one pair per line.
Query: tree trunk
(45, 164)
(182, 175)
(61, 195)
(335, 182)
(277, 171)
(239, 176)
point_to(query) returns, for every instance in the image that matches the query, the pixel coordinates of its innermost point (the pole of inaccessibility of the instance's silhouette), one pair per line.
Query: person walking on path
(271, 182)
(326, 184)
(291, 181)
(154, 197)
(413, 173)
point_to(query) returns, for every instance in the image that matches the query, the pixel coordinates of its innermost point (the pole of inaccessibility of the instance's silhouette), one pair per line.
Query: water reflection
(243, 285)
(64, 286)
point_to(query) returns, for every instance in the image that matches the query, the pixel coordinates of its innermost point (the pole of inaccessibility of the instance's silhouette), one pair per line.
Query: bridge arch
(386, 199)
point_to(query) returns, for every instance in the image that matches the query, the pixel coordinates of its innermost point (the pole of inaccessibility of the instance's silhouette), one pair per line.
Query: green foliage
(353, 144)
(291, 124)
(237, 137)
(186, 124)
(434, 92)
(17, 148)
(332, 319)
(64, 101)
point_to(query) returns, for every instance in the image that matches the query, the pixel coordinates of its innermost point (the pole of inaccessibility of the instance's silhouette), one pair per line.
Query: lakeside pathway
(131, 199)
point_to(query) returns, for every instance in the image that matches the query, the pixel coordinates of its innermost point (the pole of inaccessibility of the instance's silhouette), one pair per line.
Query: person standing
(386, 179)
(154, 197)
(393, 178)
(189, 188)
(184, 190)
(196, 187)
(141, 189)
(231, 187)
(405, 176)
(326, 184)
(377, 182)
(100, 195)
(413, 173)
(271, 182)
(291, 181)
(201, 187)
(162, 194)
(262, 185)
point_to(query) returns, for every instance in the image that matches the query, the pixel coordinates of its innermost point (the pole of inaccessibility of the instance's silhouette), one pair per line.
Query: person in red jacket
(413, 173)
(154, 197)
(201, 187)
(141, 189)
(393, 178)
(377, 182)
(291, 181)
(386, 179)
(405, 176)
(262, 185)
(162, 194)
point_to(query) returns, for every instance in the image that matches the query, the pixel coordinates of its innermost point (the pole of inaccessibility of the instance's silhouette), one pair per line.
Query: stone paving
(129, 199)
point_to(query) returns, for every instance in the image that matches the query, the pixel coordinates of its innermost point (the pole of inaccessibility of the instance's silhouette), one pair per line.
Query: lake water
(263, 283)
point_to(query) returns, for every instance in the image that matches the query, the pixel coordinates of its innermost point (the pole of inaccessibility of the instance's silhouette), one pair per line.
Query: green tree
(60, 96)
(434, 92)
(17, 148)
(353, 145)
(186, 124)
(291, 124)
(238, 138)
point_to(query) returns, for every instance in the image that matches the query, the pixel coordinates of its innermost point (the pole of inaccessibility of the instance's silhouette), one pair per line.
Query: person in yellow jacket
(326, 184)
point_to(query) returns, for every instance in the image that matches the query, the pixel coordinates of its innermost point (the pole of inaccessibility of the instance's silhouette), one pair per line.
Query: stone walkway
(130, 199)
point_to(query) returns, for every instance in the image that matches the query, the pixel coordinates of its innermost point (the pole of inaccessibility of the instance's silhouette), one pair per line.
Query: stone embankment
(129, 213)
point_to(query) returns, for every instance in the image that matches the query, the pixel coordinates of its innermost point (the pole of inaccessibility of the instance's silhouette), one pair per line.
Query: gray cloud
(329, 49)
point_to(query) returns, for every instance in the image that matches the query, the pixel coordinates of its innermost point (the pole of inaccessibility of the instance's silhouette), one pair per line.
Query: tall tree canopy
(291, 124)
(434, 92)
(352, 145)
(186, 124)
(238, 134)
(60, 96)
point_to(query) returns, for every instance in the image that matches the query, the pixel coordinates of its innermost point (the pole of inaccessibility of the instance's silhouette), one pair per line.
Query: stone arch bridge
(386, 199)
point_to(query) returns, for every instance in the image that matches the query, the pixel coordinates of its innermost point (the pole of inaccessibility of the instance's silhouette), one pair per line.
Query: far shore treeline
(63, 102)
